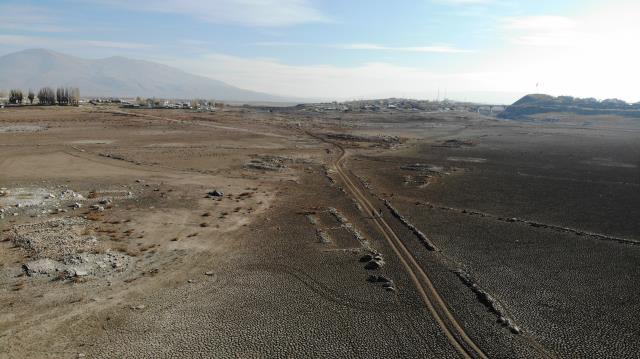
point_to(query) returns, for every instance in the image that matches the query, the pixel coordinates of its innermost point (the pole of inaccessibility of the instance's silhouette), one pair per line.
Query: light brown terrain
(253, 232)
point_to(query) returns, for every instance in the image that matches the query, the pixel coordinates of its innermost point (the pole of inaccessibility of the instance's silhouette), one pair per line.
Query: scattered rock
(372, 265)
(323, 236)
(41, 266)
(421, 236)
(379, 279)
(456, 143)
(359, 138)
(55, 238)
(424, 167)
(81, 273)
(209, 273)
(486, 299)
(268, 163)
(69, 194)
(215, 193)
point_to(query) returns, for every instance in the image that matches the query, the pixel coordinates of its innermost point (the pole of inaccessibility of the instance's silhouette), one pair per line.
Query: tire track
(436, 306)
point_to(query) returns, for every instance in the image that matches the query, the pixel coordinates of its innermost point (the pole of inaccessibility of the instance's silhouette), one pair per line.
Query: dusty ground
(114, 243)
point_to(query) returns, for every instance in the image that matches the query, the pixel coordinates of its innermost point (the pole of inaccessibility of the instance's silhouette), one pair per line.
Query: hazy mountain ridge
(115, 76)
(538, 103)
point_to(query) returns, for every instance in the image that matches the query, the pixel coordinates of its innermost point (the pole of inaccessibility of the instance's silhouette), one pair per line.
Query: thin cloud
(323, 80)
(440, 49)
(28, 18)
(280, 44)
(588, 54)
(37, 41)
(542, 31)
(464, 2)
(545, 23)
(261, 13)
(112, 44)
(192, 42)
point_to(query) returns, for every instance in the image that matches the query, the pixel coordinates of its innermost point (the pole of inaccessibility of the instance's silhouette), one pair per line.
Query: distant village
(403, 105)
(154, 103)
(71, 97)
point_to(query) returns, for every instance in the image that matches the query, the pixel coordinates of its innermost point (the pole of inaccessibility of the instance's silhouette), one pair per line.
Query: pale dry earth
(114, 244)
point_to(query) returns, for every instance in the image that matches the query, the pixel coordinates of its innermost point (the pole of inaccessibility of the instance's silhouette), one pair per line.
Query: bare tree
(74, 96)
(62, 94)
(31, 96)
(15, 96)
(46, 96)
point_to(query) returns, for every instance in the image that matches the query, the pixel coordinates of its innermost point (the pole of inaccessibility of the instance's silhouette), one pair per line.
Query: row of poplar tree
(48, 96)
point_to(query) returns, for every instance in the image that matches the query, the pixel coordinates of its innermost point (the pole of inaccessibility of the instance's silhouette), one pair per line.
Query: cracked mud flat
(232, 235)
(556, 251)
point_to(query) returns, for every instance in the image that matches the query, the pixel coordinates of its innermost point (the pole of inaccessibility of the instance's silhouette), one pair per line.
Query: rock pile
(344, 222)
(387, 283)
(80, 265)
(55, 238)
(323, 236)
(268, 163)
(421, 236)
(360, 138)
(425, 167)
(485, 298)
(373, 261)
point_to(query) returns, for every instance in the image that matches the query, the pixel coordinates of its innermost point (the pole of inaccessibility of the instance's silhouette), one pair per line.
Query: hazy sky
(491, 50)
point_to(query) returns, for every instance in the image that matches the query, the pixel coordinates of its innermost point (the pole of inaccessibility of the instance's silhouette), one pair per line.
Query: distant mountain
(116, 77)
(538, 104)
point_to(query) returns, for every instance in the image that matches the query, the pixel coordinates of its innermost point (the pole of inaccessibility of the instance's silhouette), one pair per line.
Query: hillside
(534, 104)
(115, 76)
